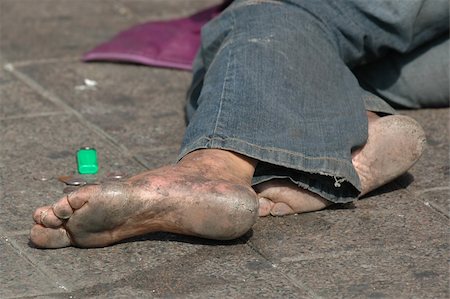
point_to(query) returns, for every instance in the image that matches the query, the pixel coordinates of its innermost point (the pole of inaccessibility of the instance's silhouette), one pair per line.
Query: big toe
(44, 237)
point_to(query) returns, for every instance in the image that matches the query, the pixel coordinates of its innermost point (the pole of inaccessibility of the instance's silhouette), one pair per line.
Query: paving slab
(19, 277)
(432, 172)
(399, 273)
(35, 151)
(56, 29)
(83, 269)
(388, 246)
(437, 198)
(140, 107)
(70, 28)
(391, 244)
(165, 10)
(163, 265)
(18, 100)
(393, 220)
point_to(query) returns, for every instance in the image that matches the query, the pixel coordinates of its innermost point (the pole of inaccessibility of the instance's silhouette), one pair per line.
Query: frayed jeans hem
(332, 178)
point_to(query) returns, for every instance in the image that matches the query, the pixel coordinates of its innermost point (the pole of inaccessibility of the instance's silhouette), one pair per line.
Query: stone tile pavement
(391, 244)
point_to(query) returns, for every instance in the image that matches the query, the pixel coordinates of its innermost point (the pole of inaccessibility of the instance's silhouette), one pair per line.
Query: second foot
(171, 199)
(282, 197)
(394, 145)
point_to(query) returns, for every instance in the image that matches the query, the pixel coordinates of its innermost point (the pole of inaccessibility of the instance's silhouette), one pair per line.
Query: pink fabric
(171, 43)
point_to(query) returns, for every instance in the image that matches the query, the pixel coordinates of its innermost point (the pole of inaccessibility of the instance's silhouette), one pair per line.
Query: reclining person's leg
(276, 89)
(415, 23)
(360, 47)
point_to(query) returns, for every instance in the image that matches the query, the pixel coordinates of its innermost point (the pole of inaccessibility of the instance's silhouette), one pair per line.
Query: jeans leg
(273, 82)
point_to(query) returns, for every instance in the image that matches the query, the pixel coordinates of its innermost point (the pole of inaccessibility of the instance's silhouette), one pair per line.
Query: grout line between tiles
(436, 207)
(420, 196)
(29, 259)
(15, 233)
(292, 280)
(444, 188)
(44, 295)
(22, 63)
(33, 115)
(334, 255)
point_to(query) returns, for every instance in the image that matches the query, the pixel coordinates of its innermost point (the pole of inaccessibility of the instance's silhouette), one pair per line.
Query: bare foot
(207, 194)
(282, 197)
(394, 145)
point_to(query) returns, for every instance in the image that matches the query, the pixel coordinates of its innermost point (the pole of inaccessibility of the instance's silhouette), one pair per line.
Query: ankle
(217, 163)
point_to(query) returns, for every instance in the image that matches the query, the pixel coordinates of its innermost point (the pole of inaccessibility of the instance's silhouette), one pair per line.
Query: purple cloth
(171, 43)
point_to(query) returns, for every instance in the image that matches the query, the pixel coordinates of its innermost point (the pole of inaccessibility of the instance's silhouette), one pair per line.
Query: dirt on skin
(208, 194)
(172, 199)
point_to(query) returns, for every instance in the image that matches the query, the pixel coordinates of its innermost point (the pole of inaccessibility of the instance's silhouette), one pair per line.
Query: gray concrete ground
(392, 244)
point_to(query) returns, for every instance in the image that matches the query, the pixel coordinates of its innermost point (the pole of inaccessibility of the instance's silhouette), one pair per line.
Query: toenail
(61, 216)
(43, 215)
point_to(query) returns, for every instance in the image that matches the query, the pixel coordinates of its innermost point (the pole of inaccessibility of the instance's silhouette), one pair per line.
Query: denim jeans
(277, 81)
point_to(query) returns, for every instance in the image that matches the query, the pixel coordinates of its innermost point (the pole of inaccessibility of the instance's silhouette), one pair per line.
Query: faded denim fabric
(274, 80)
(419, 79)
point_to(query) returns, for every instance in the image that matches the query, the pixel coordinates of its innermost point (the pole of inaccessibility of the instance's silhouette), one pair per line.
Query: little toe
(281, 209)
(48, 237)
(265, 205)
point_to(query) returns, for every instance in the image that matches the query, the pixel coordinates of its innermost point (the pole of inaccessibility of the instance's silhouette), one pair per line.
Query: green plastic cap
(87, 160)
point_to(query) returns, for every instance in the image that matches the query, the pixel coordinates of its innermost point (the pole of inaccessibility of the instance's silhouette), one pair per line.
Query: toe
(265, 205)
(281, 209)
(46, 217)
(62, 208)
(48, 237)
(77, 199)
(49, 219)
(38, 213)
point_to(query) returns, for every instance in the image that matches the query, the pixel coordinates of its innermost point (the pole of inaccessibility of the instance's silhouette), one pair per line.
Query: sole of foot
(171, 199)
(394, 145)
